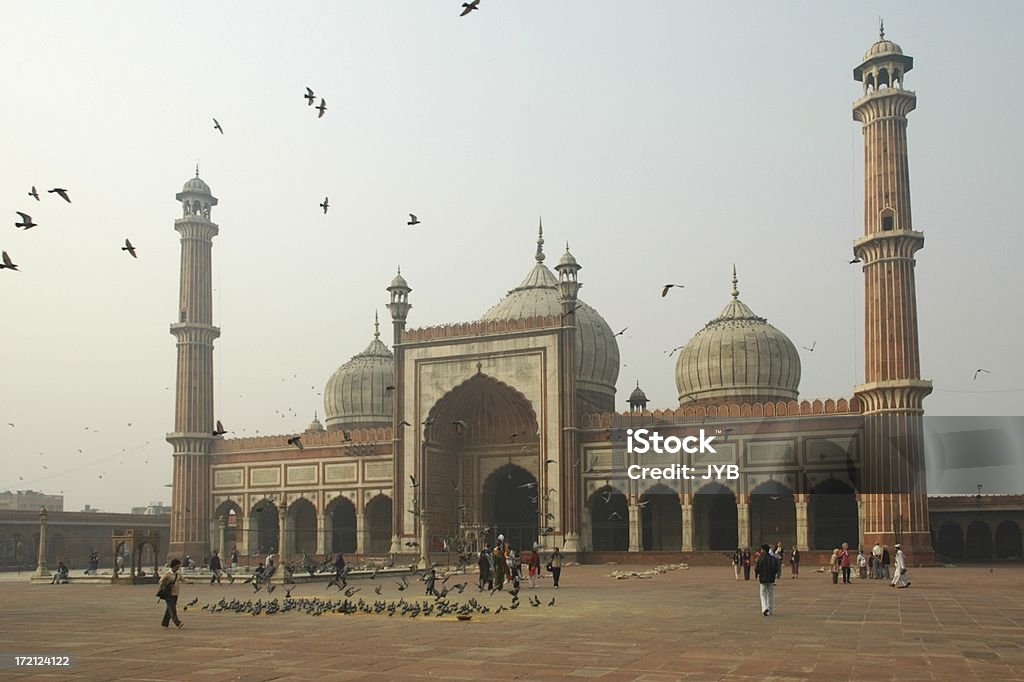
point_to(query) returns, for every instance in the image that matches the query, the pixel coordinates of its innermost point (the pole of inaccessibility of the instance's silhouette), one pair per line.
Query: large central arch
(772, 515)
(265, 536)
(484, 466)
(662, 519)
(715, 521)
(832, 515)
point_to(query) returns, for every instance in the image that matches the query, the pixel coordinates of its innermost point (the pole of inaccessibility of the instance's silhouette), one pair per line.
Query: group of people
(874, 566)
(503, 565)
(743, 560)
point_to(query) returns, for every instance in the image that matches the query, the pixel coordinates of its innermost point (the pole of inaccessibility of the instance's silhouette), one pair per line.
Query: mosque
(508, 424)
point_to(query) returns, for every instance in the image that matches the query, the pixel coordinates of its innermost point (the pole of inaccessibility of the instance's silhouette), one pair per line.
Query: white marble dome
(356, 394)
(597, 353)
(738, 358)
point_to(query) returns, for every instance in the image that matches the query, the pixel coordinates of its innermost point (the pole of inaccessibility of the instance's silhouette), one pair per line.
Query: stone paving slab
(963, 623)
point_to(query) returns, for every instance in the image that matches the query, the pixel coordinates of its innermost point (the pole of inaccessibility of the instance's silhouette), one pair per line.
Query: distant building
(152, 509)
(31, 500)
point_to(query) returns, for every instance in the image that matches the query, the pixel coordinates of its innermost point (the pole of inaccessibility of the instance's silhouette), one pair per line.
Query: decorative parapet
(480, 328)
(779, 410)
(355, 437)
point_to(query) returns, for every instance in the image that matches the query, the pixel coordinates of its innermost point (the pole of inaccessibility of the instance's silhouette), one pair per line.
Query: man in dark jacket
(767, 571)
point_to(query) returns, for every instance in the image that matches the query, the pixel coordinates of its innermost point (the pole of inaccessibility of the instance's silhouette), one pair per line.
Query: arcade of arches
(714, 520)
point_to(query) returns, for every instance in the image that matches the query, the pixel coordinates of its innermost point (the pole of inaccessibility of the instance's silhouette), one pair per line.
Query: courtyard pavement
(964, 623)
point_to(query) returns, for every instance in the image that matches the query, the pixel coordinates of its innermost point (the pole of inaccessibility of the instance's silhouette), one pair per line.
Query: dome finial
(540, 240)
(197, 169)
(735, 291)
(376, 326)
(881, 29)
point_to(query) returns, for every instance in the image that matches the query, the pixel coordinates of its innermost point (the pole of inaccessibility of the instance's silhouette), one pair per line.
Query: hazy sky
(664, 140)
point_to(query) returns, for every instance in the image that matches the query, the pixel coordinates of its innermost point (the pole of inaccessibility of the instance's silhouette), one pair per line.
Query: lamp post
(41, 570)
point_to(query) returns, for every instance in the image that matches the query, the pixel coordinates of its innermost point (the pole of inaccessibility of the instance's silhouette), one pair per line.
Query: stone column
(801, 522)
(243, 542)
(687, 512)
(360, 533)
(324, 538)
(41, 570)
(743, 524)
(222, 537)
(283, 542)
(635, 531)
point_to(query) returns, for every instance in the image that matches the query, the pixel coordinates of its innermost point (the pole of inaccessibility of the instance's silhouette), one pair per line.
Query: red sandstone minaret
(192, 437)
(893, 483)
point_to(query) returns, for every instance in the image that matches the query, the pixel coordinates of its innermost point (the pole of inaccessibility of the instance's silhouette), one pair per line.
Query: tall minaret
(193, 438)
(895, 503)
(399, 308)
(568, 515)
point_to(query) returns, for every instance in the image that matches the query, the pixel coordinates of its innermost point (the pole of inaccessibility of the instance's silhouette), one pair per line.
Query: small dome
(881, 48)
(315, 426)
(196, 186)
(738, 357)
(356, 394)
(567, 258)
(638, 395)
(597, 353)
(398, 282)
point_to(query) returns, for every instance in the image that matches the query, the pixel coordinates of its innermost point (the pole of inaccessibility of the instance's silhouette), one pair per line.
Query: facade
(31, 500)
(507, 424)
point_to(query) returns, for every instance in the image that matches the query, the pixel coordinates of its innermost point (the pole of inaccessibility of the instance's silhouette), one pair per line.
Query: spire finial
(197, 169)
(735, 291)
(540, 241)
(881, 29)
(376, 326)
(638, 383)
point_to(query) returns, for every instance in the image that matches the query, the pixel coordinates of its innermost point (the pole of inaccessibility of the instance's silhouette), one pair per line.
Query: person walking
(833, 566)
(339, 572)
(486, 575)
(555, 566)
(844, 562)
(218, 570)
(899, 573)
(885, 562)
(767, 571)
(533, 565)
(234, 557)
(794, 563)
(745, 558)
(737, 559)
(170, 585)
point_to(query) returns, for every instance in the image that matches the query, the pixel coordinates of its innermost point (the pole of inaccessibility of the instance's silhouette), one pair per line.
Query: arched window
(888, 217)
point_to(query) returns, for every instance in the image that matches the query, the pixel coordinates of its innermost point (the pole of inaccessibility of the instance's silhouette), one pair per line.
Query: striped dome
(355, 395)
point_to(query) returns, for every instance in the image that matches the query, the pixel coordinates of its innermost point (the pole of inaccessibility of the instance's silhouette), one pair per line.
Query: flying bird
(615, 515)
(460, 426)
(216, 126)
(413, 220)
(813, 344)
(325, 205)
(7, 262)
(413, 479)
(61, 192)
(531, 484)
(388, 389)
(976, 372)
(296, 441)
(468, 7)
(570, 311)
(673, 351)
(129, 248)
(855, 260)
(322, 108)
(606, 496)
(218, 431)
(512, 437)
(620, 333)
(664, 289)
(404, 423)
(34, 194)
(309, 96)
(26, 221)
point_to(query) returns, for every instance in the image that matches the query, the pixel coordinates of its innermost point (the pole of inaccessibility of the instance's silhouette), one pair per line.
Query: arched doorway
(979, 541)
(951, 541)
(609, 520)
(511, 505)
(343, 525)
(661, 519)
(772, 515)
(231, 514)
(264, 533)
(715, 522)
(302, 521)
(832, 516)
(377, 521)
(1008, 540)
(480, 444)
